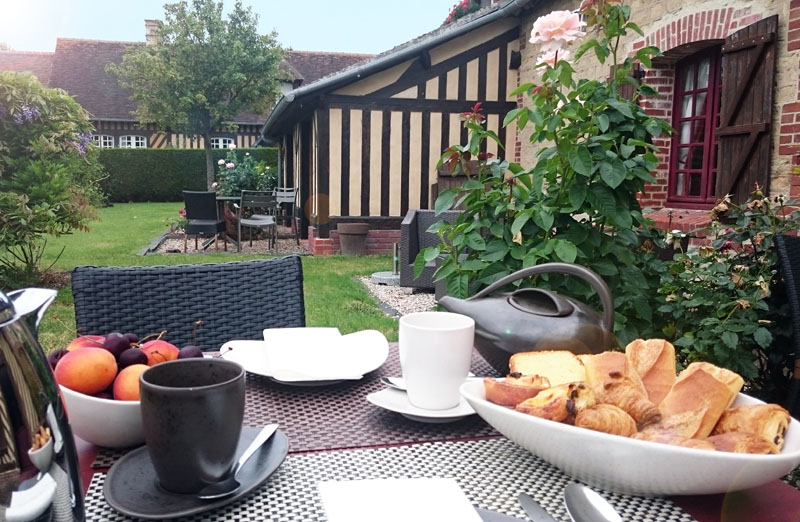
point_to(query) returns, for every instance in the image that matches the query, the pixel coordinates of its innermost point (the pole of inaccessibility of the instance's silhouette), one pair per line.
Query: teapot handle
(584, 273)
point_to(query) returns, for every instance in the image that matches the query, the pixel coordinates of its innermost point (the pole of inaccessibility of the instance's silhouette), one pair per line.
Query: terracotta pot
(353, 238)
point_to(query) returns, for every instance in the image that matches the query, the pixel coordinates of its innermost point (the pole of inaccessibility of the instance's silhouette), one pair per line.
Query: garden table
(335, 434)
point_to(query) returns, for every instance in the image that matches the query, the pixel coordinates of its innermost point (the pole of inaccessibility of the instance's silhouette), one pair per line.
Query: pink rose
(229, 165)
(231, 147)
(549, 57)
(556, 28)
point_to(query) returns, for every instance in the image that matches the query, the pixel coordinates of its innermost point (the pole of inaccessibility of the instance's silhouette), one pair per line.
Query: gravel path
(286, 244)
(399, 300)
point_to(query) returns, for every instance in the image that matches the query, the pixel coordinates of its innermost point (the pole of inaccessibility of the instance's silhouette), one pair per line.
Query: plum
(132, 356)
(189, 352)
(55, 356)
(131, 337)
(116, 343)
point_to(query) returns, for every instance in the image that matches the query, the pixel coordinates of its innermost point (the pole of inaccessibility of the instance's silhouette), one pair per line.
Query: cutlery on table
(398, 383)
(229, 485)
(493, 516)
(586, 505)
(533, 509)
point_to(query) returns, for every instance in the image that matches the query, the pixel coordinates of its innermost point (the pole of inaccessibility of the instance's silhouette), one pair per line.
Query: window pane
(700, 104)
(686, 107)
(683, 153)
(679, 184)
(686, 132)
(688, 80)
(696, 161)
(702, 73)
(699, 134)
(694, 184)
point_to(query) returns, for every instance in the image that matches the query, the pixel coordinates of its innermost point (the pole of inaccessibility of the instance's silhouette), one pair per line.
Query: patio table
(335, 434)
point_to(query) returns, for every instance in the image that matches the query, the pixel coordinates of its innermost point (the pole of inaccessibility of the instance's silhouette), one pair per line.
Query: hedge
(161, 174)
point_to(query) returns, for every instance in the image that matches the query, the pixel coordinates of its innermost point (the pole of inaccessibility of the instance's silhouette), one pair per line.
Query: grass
(333, 297)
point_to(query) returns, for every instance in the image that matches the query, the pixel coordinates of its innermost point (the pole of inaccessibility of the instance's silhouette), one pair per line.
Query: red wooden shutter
(626, 90)
(748, 74)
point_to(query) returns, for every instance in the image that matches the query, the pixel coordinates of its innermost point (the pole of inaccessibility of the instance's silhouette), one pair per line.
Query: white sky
(359, 26)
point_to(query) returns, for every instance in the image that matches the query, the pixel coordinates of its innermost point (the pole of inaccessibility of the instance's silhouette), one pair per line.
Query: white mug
(435, 354)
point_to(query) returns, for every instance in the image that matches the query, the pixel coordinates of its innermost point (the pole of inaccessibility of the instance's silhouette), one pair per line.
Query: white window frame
(132, 141)
(104, 141)
(221, 142)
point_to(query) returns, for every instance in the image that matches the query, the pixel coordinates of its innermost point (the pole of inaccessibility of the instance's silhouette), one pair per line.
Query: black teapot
(531, 319)
(39, 474)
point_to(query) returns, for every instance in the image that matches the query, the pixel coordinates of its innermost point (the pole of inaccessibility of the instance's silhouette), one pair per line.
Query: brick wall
(789, 136)
(377, 242)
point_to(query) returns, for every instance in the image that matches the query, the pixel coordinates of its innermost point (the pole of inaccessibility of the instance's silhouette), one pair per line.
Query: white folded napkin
(30, 503)
(396, 500)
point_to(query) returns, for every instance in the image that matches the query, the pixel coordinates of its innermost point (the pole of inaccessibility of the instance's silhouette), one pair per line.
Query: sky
(356, 26)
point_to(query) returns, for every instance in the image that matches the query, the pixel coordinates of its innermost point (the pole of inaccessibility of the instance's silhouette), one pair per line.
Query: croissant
(741, 442)
(654, 361)
(606, 418)
(621, 391)
(515, 389)
(667, 437)
(559, 403)
(770, 421)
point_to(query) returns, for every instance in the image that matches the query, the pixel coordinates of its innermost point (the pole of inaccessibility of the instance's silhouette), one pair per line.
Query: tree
(49, 172)
(202, 71)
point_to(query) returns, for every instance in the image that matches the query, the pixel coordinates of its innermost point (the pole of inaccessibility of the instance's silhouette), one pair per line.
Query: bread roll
(654, 361)
(741, 442)
(599, 366)
(514, 389)
(559, 366)
(622, 392)
(606, 418)
(770, 421)
(559, 403)
(685, 425)
(701, 388)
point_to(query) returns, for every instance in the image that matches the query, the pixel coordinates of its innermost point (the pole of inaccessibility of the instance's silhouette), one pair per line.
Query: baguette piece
(654, 361)
(559, 366)
(683, 425)
(741, 442)
(699, 389)
(622, 392)
(601, 365)
(560, 403)
(770, 421)
(514, 389)
(606, 418)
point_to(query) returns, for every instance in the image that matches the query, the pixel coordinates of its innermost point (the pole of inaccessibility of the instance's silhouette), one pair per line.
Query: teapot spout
(453, 304)
(31, 304)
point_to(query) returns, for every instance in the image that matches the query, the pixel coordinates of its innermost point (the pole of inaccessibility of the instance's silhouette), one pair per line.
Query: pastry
(666, 437)
(514, 389)
(741, 442)
(654, 361)
(560, 403)
(560, 367)
(606, 418)
(599, 366)
(770, 421)
(621, 391)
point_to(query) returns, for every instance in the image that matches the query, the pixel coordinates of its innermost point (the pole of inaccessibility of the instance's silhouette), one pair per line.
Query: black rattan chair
(257, 209)
(202, 213)
(229, 300)
(414, 237)
(789, 254)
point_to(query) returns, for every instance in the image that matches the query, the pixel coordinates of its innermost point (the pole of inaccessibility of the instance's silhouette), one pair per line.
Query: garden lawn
(333, 296)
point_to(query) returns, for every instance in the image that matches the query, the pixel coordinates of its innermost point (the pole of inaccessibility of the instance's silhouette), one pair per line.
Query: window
(695, 117)
(103, 140)
(221, 143)
(132, 142)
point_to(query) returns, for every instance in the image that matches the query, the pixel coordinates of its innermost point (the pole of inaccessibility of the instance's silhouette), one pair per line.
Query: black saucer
(131, 486)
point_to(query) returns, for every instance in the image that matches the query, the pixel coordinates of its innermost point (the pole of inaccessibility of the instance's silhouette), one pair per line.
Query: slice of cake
(559, 366)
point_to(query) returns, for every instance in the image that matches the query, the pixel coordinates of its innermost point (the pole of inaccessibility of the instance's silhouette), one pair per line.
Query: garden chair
(202, 214)
(257, 209)
(288, 195)
(788, 248)
(204, 304)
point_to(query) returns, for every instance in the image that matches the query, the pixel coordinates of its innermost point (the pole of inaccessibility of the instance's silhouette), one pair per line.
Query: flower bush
(49, 173)
(462, 9)
(234, 176)
(577, 203)
(178, 223)
(724, 303)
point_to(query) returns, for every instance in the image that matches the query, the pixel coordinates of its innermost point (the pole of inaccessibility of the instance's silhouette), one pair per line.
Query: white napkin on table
(396, 500)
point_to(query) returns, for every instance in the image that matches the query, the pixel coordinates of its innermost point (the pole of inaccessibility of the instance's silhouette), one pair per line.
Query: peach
(158, 351)
(94, 341)
(126, 385)
(86, 370)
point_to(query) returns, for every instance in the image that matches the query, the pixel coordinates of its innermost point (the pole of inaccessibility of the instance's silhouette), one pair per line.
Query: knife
(534, 509)
(494, 516)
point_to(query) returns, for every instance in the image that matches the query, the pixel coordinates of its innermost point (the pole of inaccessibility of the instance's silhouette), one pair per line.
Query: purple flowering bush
(49, 173)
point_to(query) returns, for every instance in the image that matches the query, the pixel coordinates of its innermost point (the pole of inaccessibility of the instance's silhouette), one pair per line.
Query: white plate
(397, 401)
(310, 356)
(634, 466)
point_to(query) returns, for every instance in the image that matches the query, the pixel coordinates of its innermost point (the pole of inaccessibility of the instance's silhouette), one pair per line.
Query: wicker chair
(202, 213)
(789, 254)
(231, 300)
(415, 237)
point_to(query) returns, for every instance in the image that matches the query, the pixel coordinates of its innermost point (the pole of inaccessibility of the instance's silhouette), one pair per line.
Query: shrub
(161, 174)
(48, 172)
(235, 175)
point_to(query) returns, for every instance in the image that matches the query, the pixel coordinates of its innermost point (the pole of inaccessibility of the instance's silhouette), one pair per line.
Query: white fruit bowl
(103, 422)
(632, 466)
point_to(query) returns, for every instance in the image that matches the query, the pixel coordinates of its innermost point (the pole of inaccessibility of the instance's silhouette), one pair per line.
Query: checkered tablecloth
(339, 416)
(491, 473)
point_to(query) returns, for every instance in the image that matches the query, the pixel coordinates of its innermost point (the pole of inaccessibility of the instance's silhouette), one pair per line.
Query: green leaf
(613, 172)
(458, 286)
(447, 267)
(602, 122)
(512, 114)
(627, 150)
(445, 200)
(763, 337)
(475, 241)
(577, 195)
(566, 250)
(544, 219)
(622, 107)
(605, 268)
(473, 265)
(685, 342)
(632, 26)
(580, 159)
(519, 222)
(730, 339)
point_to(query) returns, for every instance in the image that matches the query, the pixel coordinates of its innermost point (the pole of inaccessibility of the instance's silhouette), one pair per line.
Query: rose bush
(234, 176)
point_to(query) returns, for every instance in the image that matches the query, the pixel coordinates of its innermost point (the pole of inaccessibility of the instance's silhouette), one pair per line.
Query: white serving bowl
(103, 422)
(632, 466)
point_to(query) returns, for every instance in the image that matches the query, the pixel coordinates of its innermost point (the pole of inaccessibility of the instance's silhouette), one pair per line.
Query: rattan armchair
(414, 237)
(788, 248)
(203, 304)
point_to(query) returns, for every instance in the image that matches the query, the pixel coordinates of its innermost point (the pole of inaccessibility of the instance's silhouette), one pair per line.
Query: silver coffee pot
(39, 474)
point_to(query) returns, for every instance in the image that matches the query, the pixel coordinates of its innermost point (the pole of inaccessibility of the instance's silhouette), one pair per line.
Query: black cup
(192, 412)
